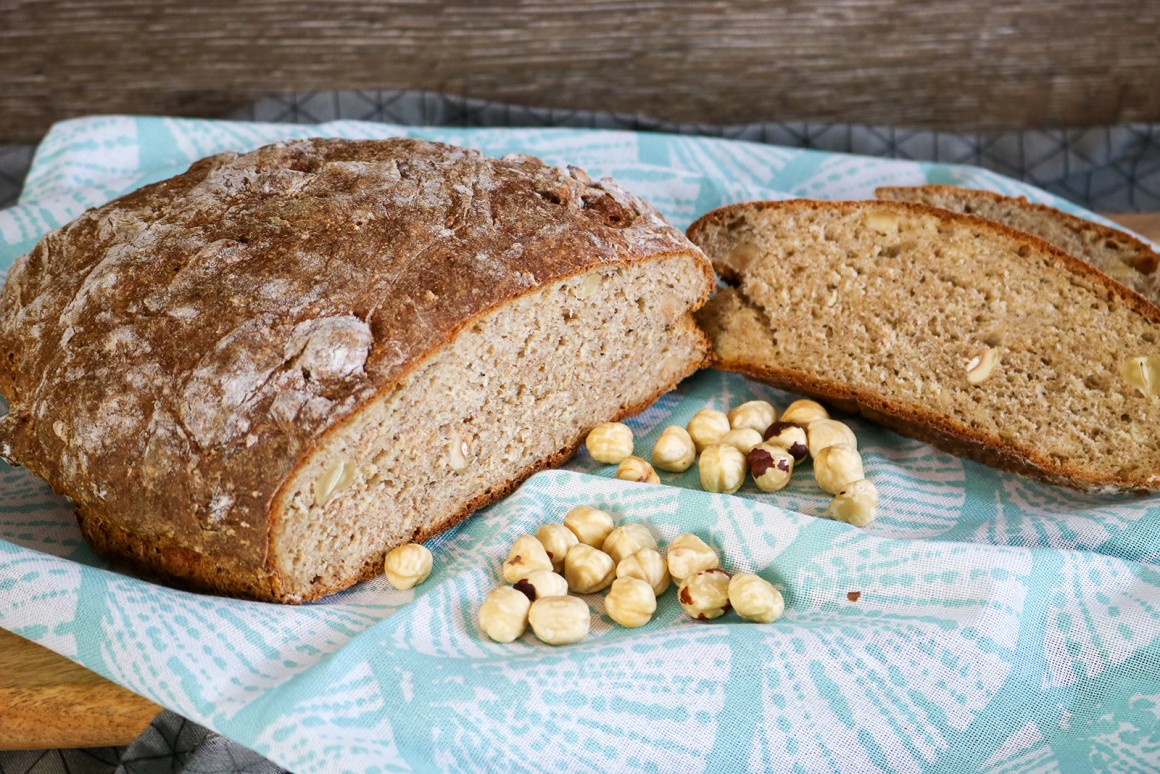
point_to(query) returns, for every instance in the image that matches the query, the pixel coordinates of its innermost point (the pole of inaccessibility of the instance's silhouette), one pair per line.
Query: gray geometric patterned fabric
(1110, 169)
(1114, 169)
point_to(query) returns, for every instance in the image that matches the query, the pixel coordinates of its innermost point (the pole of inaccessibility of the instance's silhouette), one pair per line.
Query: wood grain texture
(984, 64)
(48, 701)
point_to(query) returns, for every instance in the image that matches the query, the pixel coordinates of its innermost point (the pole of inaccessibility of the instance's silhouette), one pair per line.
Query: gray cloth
(1110, 169)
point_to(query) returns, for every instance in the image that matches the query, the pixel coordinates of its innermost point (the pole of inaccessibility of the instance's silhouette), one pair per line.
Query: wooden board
(48, 701)
(951, 64)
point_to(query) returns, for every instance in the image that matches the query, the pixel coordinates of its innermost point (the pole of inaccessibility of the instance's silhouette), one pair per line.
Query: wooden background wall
(966, 64)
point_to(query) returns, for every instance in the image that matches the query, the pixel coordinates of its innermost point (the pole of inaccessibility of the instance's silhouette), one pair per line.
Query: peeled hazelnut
(707, 427)
(542, 583)
(742, 440)
(646, 565)
(588, 569)
(827, 432)
(674, 451)
(589, 525)
(836, 466)
(458, 454)
(630, 602)
(556, 540)
(503, 616)
(689, 555)
(802, 412)
(610, 442)
(722, 469)
(755, 414)
(407, 566)
(742, 256)
(626, 540)
(1143, 373)
(856, 503)
(755, 599)
(705, 596)
(525, 557)
(636, 469)
(771, 467)
(790, 436)
(882, 221)
(335, 479)
(560, 620)
(981, 366)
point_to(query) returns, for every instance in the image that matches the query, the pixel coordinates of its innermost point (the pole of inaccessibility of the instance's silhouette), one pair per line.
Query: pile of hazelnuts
(752, 440)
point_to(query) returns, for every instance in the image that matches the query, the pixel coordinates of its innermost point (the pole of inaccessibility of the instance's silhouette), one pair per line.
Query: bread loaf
(1121, 256)
(980, 339)
(260, 375)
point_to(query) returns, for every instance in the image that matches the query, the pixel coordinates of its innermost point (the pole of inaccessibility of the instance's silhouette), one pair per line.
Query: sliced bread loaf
(1121, 256)
(975, 337)
(259, 376)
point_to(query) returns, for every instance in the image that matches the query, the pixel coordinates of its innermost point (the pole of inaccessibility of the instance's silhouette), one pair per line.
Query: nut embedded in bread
(980, 339)
(259, 376)
(1121, 256)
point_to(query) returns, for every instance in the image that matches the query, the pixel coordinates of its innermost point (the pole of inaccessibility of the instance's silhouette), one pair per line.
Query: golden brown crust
(1145, 259)
(939, 430)
(182, 349)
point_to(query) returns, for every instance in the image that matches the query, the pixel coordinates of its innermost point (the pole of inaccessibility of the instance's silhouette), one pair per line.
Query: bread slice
(1121, 256)
(259, 376)
(894, 309)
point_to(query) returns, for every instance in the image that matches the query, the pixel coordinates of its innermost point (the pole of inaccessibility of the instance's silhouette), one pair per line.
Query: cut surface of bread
(895, 310)
(1121, 256)
(257, 377)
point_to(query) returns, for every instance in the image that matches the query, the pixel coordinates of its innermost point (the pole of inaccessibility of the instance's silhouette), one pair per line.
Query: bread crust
(1147, 259)
(939, 430)
(183, 349)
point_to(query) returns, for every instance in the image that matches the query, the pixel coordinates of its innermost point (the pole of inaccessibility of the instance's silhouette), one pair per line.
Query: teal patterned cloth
(983, 623)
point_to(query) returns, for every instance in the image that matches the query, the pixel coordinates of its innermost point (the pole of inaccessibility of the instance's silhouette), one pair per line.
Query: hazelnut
(647, 565)
(556, 540)
(458, 454)
(631, 602)
(559, 620)
(610, 442)
(589, 525)
(755, 414)
(335, 479)
(802, 412)
(771, 467)
(856, 503)
(503, 616)
(981, 366)
(882, 221)
(626, 540)
(674, 451)
(827, 432)
(407, 566)
(836, 466)
(588, 569)
(636, 469)
(525, 557)
(742, 440)
(1143, 373)
(542, 583)
(790, 436)
(754, 598)
(707, 427)
(722, 469)
(705, 596)
(689, 555)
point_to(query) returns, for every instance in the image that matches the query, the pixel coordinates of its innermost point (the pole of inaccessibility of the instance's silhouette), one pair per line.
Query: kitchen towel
(983, 622)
